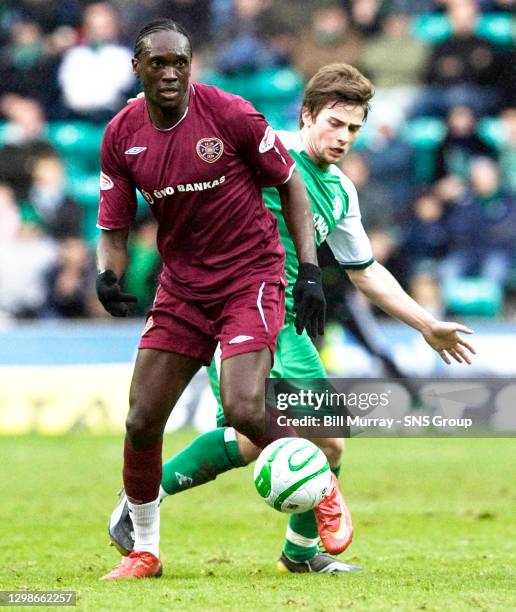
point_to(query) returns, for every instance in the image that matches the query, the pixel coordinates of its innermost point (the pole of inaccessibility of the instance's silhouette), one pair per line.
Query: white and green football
(292, 475)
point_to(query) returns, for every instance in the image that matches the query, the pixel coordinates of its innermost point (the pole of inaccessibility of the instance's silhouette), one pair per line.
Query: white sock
(145, 519)
(162, 493)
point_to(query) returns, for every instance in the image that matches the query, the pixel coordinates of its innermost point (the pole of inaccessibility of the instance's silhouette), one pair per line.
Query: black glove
(110, 294)
(309, 301)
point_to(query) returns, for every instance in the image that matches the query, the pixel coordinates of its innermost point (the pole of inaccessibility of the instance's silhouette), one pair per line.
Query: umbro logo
(135, 150)
(239, 339)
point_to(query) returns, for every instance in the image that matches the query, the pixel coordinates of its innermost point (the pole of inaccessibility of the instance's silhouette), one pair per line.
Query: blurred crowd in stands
(435, 166)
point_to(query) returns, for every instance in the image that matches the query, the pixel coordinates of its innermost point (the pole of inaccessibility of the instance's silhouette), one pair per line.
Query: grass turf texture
(434, 528)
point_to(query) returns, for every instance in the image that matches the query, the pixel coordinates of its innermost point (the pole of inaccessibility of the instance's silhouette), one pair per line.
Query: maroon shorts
(249, 320)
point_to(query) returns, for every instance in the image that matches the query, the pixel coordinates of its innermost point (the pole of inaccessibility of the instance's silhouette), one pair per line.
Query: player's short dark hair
(336, 84)
(159, 25)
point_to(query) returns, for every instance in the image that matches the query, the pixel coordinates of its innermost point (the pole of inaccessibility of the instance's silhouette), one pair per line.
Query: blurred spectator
(508, 149)
(365, 15)
(392, 163)
(482, 227)
(245, 42)
(500, 6)
(58, 213)
(356, 168)
(133, 16)
(25, 67)
(97, 76)
(460, 145)
(426, 290)
(296, 14)
(70, 281)
(194, 15)
(10, 220)
(462, 70)
(393, 60)
(425, 236)
(329, 39)
(144, 265)
(25, 120)
(23, 265)
(50, 14)
(384, 245)
(25, 138)
(376, 210)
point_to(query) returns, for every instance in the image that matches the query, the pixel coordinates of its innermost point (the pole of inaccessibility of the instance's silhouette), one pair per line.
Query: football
(292, 475)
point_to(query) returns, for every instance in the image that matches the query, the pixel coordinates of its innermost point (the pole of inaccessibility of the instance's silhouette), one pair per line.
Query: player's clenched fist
(111, 296)
(309, 300)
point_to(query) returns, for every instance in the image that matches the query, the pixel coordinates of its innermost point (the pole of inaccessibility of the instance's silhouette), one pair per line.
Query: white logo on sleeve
(184, 481)
(135, 150)
(105, 182)
(268, 140)
(239, 339)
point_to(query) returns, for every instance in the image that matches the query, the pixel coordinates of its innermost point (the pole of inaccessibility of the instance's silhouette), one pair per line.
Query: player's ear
(306, 116)
(136, 67)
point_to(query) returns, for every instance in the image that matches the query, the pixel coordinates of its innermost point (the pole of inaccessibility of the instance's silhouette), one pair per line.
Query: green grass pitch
(435, 529)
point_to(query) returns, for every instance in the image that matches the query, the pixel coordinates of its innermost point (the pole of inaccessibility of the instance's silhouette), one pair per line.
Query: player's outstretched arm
(378, 284)
(111, 264)
(309, 301)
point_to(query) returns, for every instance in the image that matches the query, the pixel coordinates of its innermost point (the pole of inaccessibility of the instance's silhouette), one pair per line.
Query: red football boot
(137, 565)
(334, 522)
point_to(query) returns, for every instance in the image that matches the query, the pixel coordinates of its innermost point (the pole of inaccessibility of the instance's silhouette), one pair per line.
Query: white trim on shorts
(259, 304)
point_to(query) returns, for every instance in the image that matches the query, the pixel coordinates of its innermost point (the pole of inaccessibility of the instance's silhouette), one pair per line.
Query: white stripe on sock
(300, 540)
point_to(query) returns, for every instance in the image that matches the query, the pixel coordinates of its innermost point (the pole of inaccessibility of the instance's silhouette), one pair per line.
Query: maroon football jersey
(202, 179)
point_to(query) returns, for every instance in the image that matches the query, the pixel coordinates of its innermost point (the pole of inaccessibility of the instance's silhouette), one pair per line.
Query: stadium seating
(434, 28)
(473, 296)
(490, 129)
(77, 139)
(424, 134)
(276, 92)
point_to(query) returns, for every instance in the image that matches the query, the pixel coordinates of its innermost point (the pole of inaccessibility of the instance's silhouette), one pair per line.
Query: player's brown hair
(336, 84)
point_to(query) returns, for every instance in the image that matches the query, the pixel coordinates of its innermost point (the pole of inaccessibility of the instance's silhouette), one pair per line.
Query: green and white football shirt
(336, 212)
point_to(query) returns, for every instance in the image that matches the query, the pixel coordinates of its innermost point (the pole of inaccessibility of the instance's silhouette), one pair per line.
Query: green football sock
(302, 537)
(209, 455)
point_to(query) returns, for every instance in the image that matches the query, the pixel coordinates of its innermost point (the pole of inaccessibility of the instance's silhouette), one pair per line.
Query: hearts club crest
(210, 149)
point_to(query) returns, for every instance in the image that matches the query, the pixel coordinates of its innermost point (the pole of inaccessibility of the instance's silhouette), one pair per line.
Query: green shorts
(295, 357)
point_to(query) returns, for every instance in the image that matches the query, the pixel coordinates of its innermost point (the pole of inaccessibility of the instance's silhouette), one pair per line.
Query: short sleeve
(258, 144)
(117, 205)
(348, 241)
